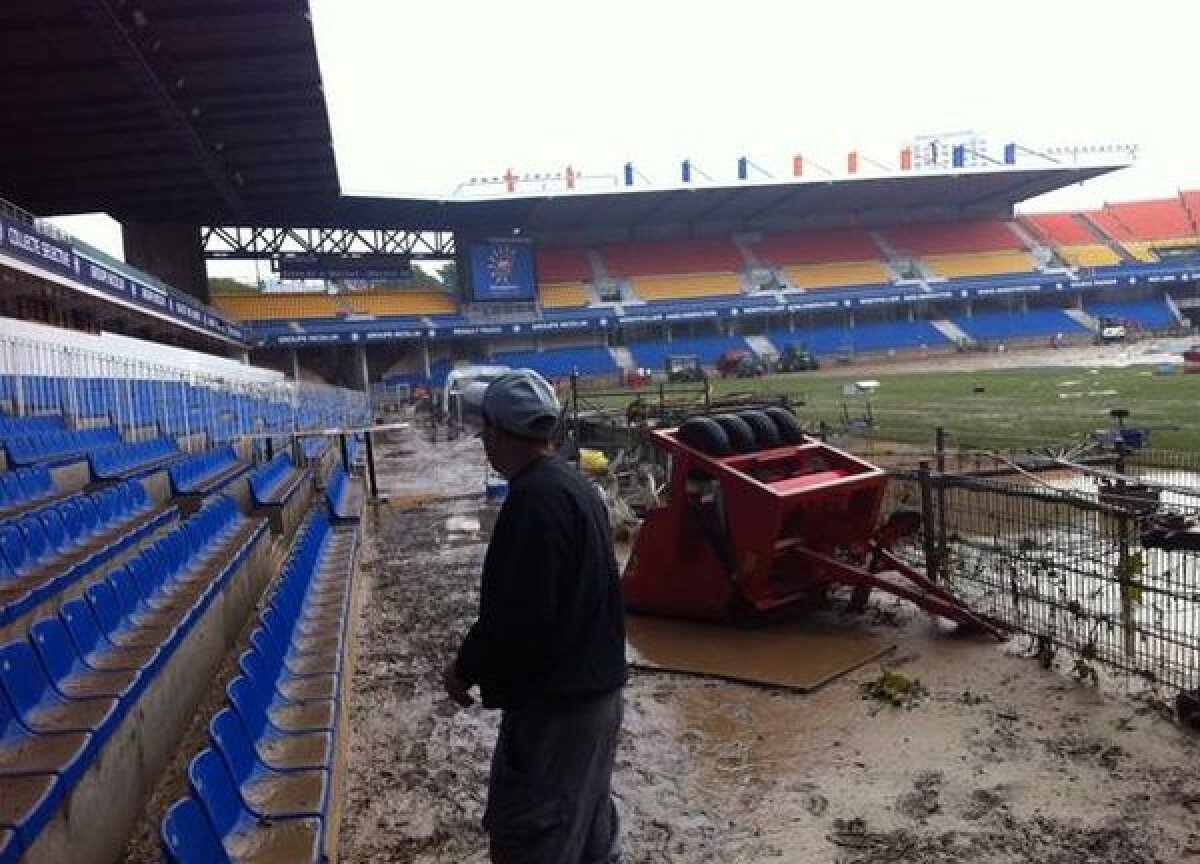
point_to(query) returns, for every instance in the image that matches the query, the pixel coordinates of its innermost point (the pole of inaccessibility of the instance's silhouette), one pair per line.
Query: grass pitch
(992, 408)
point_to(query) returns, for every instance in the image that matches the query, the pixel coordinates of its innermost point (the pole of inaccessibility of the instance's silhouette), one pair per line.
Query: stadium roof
(901, 197)
(212, 112)
(164, 110)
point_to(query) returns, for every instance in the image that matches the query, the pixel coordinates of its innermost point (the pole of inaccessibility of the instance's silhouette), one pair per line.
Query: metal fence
(147, 390)
(1075, 569)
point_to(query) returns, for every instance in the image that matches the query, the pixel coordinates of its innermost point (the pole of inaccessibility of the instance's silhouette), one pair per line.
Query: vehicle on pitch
(1112, 330)
(684, 368)
(797, 358)
(736, 363)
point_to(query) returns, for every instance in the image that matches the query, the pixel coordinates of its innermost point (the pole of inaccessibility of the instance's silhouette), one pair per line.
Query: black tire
(741, 436)
(790, 430)
(766, 433)
(706, 435)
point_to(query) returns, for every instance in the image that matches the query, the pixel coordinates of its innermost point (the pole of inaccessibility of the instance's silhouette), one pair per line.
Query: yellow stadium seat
(686, 286)
(403, 303)
(1090, 255)
(837, 275)
(562, 295)
(1141, 251)
(981, 264)
(259, 307)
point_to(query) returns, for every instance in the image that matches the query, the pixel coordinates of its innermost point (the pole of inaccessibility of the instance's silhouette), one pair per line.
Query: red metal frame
(745, 535)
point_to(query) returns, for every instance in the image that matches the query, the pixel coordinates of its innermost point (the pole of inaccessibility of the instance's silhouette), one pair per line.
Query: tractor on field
(736, 363)
(797, 358)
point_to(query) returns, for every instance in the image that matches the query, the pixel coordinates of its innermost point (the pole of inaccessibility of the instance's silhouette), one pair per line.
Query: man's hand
(456, 688)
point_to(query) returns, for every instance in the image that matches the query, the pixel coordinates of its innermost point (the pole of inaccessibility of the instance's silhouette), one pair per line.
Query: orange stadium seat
(1163, 219)
(953, 238)
(686, 286)
(661, 257)
(1058, 229)
(403, 303)
(563, 295)
(261, 307)
(562, 264)
(981, 264)
(817, 246)
(837, 275)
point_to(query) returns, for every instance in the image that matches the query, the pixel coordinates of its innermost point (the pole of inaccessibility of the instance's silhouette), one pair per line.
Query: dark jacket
(551, 625)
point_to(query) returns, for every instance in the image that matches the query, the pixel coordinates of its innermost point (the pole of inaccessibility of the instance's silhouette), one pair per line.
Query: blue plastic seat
(39, 707)
(188, 836)
(292, 840)
(26, 804)
(13, 548)
(13, 493)
(34, 535)
(72, 525)
(106, 607)
(279, 714)
(268, 680)
(56, 533)
(96, 651)
(22, 752)
(306, 793)
(66, 670)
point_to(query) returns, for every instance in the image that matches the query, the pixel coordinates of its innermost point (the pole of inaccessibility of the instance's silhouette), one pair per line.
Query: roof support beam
(116, 36)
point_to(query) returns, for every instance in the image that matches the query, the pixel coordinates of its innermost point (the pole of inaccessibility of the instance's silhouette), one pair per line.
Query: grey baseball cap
(523, 404)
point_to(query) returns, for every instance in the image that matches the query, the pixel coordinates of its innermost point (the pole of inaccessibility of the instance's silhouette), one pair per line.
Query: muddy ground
(993, 759)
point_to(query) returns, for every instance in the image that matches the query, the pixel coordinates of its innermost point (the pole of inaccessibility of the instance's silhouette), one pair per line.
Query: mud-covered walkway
(995, 759)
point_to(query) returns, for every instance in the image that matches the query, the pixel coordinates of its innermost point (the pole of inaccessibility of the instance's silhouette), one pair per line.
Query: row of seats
(980, 264)
(24, 486)
(120, 460)
(686, 285)
(343, 495)
(561, 362)
(1034, 323)
(46, 550)
(196, 472)
(839, 275)
(65, 689)
(57, 446)
(268, 307)
(16, 427)
(563, 295)
(249, 307)
(402, 303)
(271, 483)
(261, 790)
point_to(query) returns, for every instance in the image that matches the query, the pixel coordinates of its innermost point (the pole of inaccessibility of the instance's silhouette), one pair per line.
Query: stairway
(622, 357)
(1042, 254)
(596, 260)
(1103, 238)
(898, 263)
(953, 332)
(761, 345)
(1083, 318)
(742, 242)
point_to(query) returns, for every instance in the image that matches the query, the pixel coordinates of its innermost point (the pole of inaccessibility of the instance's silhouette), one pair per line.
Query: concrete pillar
(295, 358)
(170, 251)
(425, 357)
(361, 351)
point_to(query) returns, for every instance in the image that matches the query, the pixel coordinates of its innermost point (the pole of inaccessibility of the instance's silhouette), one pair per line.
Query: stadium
(902, 475)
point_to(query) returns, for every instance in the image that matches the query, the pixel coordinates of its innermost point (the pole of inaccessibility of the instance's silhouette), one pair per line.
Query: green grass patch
(1024, 407)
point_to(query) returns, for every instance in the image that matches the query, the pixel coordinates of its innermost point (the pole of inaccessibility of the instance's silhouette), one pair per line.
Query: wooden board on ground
(798, 655)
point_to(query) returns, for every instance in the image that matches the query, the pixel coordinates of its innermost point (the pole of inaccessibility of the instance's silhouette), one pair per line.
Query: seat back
(35, 537)
(21, 676)
(53, 645)
(229, 737)
(188, 837)
(106, 606)
(81, 625)
(245, 701)
(211, 783)
(12, 547)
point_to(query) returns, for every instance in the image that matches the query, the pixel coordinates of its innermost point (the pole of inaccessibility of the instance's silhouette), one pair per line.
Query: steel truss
(250, 242)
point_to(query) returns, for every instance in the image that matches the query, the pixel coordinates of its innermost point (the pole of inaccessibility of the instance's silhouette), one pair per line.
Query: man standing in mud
(548, 648)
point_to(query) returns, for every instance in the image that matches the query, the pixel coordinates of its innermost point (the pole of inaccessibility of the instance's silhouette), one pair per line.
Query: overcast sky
(423, 96)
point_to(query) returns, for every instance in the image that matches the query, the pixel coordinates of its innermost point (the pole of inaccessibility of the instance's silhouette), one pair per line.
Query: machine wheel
(790, 430)
(706, 435)
(766, 433)
(739, 432)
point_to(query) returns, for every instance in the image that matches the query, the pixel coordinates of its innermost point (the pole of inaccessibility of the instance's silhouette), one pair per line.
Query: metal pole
(925, 480)
(941, 494)
(372, 484)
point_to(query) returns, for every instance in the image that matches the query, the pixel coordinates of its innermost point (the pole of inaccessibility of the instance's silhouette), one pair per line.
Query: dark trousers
(549, 799)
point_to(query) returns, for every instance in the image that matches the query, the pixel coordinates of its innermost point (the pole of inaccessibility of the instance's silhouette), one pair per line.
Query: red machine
(745, 534)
